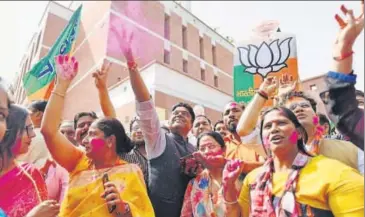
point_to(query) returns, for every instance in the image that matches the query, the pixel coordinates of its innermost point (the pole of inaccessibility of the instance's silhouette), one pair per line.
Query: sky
(311, 21)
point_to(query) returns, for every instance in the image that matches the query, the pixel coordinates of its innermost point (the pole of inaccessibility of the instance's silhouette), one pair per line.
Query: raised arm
(340, 99)
(62, 150)
(147, 116)
(250, 115)
(101, 77)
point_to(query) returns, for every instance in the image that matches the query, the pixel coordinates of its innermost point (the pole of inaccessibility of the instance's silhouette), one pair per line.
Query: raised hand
(286, 85)
(212, 159)
(124, 41)
(101, 75)
(269, 86)
(351, 28)
(231, 172)
(66, 69)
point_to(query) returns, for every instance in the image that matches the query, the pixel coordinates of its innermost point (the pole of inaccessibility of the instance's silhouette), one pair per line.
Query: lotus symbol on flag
(266, 58)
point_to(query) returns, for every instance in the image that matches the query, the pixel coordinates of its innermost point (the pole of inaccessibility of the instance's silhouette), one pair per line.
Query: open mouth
(276, 139)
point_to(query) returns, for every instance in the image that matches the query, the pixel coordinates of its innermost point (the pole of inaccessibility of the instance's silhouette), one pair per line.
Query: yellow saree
(86, 185)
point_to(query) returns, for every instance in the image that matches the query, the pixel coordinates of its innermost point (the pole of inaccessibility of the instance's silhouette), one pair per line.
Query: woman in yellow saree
(101, 184)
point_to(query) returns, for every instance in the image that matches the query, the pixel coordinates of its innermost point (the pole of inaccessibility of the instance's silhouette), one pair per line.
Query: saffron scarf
(261, 191)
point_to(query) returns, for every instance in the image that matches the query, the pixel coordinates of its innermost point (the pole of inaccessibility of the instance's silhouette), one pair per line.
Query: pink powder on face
(15, 150)
(266, 142)
(293, 138)
(97, 144)
(315, 120)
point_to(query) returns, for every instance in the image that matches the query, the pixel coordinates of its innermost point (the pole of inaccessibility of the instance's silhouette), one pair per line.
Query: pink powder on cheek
(15, 150)
(293, 138)
(266, 142)
(97, 144)
(315, 120)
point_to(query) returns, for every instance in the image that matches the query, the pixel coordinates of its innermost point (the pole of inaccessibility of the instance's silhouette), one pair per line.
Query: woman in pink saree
(21, 184)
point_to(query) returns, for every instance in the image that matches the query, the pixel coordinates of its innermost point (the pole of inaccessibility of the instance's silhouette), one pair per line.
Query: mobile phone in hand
(111, 208)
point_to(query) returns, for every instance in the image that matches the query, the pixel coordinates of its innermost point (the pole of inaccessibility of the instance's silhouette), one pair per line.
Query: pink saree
(22, 188)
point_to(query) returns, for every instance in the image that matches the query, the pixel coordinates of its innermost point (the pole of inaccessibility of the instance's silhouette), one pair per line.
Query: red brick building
(185, 60)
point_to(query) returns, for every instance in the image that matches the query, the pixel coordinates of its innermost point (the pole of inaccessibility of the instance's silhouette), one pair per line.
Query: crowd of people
(279, 161)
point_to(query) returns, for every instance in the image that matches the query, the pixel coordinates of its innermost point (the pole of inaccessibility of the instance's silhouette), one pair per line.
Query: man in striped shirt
(138, 153)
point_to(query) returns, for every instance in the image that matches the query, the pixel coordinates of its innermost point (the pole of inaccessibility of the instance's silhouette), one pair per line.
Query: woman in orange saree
(101, 184)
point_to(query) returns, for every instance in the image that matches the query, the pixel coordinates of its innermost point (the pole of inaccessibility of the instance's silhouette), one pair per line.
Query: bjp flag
(269, 52)
(39, 81)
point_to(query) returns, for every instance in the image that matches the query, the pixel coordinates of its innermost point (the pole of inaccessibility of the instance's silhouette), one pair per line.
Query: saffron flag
(39, 81)
(269, 52)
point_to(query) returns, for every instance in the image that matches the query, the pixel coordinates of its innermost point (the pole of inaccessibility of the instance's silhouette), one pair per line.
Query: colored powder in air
(145, 46)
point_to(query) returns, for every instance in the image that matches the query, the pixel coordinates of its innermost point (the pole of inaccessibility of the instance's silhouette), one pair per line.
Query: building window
(202, 74)
(184, 37)
(166, 57)
(201, 45)
(313, 87)
(215, 81)
(185, 66)
(167, 27)
(214, 56)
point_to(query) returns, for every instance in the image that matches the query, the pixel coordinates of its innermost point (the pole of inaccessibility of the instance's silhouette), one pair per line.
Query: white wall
(160, 78)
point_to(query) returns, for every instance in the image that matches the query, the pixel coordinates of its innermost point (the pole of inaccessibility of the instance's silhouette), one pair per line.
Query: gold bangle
(58, 94)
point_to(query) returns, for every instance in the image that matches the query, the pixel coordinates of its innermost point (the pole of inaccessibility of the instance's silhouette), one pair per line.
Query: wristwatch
(127, 210)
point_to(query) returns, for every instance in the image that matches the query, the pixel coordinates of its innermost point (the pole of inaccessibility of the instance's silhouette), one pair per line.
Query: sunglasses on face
(303, 105)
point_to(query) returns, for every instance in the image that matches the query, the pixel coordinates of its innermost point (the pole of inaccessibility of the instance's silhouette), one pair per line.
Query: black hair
(131, 123)
(300, 94)
(38, 105)
(359, 93)
(188, 107)
(112, 126)
(218, 122)
(15, 126)
(83, 114)
(216, 136)
(291, 116)
(323, 119)
(209, 121)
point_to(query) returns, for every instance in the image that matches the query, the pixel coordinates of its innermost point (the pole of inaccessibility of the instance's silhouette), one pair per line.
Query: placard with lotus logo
(271, 55)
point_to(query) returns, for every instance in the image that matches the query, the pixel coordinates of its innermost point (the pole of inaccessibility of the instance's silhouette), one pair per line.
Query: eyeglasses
(301, 105)
(183, 113)
(30, 130)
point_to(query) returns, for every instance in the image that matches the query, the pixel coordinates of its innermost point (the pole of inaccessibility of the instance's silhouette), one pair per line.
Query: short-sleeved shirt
(237, 150)
(325, 188)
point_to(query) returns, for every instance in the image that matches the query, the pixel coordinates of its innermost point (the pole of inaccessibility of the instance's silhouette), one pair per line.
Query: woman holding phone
(101, 184)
